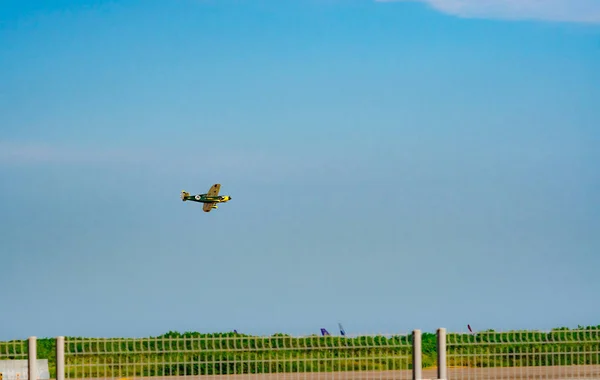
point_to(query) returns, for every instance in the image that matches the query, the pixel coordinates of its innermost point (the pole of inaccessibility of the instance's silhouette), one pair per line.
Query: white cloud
(581, 11)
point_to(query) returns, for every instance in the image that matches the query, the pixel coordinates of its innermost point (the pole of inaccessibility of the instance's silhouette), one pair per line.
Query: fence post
(60, 358)
(442, 372)
(417, 364)
(32, 359)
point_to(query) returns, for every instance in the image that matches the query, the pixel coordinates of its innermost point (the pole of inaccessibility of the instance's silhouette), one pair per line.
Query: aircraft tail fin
(324, 332)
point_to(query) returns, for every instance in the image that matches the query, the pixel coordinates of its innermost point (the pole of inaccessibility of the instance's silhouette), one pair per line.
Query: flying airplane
(209, 199)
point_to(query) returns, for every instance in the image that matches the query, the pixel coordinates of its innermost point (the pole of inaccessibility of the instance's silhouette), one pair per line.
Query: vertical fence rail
(32, 372)
(442, 369)
(60, 358)
(417, 356)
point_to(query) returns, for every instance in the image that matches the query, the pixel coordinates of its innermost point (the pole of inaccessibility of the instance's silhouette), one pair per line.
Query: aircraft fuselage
(204, 198)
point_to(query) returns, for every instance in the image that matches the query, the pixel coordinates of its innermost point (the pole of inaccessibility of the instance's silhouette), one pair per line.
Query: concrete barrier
(18, 369)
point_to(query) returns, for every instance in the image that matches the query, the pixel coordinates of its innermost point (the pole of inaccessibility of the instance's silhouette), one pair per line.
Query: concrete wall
(18, 370)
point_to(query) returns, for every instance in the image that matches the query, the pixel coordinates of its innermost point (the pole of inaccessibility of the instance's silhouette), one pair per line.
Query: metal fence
(14, 350)
(557, 354)
(17, 351)
(311, 357)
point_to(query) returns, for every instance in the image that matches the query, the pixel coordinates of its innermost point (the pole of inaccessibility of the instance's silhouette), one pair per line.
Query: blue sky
(392, 166)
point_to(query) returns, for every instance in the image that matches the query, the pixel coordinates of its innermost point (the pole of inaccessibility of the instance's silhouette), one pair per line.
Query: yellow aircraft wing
(214, 190)
(207, 207)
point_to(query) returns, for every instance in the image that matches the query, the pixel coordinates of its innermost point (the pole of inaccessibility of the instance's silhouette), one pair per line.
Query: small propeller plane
(209, 199)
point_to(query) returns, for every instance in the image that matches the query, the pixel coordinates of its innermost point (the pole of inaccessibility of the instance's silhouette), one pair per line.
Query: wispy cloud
(580, 11)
